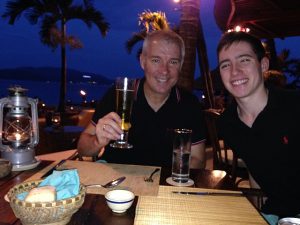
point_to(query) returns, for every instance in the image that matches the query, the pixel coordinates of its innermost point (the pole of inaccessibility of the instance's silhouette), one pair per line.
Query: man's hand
(108, 128)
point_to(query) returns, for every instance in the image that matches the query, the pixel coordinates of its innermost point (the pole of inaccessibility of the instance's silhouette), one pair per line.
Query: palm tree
(148, 21)
(290, 67)
(191, 31)
(53, 15)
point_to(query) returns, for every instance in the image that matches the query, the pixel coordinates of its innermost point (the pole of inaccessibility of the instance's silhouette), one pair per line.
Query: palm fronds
(148, 21)
(153, 20)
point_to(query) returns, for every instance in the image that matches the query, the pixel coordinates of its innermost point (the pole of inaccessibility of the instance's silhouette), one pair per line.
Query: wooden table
(94, 209)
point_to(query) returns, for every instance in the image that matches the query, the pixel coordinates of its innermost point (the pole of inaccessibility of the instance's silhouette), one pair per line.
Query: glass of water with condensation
(181, 155)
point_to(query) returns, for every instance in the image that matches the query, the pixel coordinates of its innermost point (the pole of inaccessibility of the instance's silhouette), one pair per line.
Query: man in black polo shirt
(261, 125)
(159, 107)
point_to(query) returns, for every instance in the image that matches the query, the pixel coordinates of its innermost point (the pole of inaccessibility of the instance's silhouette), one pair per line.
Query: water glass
(181, 155)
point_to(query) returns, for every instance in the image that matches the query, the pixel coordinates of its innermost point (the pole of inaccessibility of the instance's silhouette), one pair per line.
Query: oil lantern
(19, 129)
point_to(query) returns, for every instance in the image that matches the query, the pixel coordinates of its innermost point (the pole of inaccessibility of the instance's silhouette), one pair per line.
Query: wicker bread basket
(50, 213)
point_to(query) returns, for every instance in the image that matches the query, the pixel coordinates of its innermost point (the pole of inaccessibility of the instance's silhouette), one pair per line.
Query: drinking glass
(124, 102)
(181, 155)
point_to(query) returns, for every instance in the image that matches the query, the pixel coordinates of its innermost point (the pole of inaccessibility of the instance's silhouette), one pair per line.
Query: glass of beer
(124, 102)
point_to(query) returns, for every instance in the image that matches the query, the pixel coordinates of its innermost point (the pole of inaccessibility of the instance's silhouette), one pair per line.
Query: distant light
(71, 107)
(203, 96)
(176, 1)
(43, 104)
(82, 93)
(239, 29)
(87, 76)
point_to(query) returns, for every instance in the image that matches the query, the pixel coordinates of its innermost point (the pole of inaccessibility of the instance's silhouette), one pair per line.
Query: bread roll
(41, 194)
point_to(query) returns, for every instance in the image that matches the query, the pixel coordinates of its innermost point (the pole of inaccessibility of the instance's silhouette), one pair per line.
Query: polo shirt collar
(271, 104)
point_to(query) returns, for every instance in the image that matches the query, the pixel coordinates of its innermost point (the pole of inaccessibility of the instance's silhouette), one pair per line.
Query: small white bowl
(119, 200)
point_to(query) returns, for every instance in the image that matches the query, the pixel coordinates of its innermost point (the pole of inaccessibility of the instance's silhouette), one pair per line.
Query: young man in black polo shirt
(159, 107)
(261, 125)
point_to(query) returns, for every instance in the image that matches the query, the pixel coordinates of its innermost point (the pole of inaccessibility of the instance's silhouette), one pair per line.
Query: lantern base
(21, 160)
(26, 167)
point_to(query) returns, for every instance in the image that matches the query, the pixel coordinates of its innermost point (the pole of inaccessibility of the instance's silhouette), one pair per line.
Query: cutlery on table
(149, 179)
(210, 193)
(54, 168)
(110, 184)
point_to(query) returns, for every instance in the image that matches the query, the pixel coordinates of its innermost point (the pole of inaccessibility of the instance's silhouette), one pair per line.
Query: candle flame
(18, 136)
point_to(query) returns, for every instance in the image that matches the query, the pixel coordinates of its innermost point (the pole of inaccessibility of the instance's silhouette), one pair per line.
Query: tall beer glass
(124, 102)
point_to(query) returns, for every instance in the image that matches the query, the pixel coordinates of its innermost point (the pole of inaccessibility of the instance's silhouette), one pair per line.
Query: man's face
(161, 64)
(241, 72)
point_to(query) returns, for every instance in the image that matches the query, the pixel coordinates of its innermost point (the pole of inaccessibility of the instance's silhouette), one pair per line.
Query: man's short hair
(232, 37)
(166, 35)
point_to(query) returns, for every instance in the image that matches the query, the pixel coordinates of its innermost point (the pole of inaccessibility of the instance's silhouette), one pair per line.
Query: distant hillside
(51, 74)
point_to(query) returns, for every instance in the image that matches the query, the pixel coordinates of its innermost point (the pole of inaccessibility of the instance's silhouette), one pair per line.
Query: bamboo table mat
(101, 173)
(174, 209)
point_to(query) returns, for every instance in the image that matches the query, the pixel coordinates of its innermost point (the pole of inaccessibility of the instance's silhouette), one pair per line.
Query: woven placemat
(170, 208)
(101, 173)
(38, 175)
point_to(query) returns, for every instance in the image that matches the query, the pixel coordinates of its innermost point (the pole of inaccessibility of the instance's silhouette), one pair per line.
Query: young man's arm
(198, 156)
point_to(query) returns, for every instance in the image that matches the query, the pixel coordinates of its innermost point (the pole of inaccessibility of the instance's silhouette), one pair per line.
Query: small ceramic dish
(5, 167)
(119, 200)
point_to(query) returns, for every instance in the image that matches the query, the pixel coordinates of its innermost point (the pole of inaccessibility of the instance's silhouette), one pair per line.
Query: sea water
(48, 91)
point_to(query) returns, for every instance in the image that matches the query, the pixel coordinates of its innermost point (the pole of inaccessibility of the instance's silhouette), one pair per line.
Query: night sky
(20, 44)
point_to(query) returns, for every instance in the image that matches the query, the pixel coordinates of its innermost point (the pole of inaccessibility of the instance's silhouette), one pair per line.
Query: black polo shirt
(151, 132)
(270, 149)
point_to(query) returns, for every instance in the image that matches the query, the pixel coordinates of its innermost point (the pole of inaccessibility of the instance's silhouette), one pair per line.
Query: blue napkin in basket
(66, 183)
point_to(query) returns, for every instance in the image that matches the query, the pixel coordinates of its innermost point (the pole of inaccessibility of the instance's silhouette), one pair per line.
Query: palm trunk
(188, 29)
(204, 65)
(63, 76)
(191, 31)
(271, 49)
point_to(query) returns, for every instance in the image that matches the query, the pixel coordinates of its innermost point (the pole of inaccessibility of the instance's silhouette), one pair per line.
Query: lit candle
(18, 136)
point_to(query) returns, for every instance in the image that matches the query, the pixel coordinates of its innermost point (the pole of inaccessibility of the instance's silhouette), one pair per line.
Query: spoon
(110, 184)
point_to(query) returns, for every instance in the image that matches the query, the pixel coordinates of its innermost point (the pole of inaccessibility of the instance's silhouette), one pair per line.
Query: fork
(149, 179)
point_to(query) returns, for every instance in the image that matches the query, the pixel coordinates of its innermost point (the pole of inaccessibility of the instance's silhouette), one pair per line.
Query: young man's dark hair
(229, 38)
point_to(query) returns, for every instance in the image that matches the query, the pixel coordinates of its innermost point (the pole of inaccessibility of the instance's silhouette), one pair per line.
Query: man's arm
(88, 144)
(198, 156)
(96, 136)
(252, 182)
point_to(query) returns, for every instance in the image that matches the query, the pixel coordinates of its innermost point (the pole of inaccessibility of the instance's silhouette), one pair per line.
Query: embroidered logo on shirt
(285, 140)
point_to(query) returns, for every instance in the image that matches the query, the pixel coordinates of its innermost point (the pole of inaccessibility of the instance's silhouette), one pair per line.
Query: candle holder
(19, 129)
(56, 121)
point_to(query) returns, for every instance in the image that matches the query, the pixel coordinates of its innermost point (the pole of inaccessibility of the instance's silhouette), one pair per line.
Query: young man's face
(241, 72)
(161, 64)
